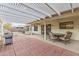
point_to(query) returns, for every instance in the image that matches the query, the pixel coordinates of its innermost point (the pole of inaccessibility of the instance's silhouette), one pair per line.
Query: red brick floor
(28, 46)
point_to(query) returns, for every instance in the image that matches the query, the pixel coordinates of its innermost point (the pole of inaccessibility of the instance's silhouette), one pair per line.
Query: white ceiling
(27, 12)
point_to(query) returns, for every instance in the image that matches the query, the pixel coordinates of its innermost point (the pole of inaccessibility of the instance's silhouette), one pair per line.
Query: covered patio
(39, 19)
(32, 46)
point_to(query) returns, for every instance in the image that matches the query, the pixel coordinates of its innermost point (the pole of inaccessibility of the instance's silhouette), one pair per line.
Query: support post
(44, 30)
(2, 33)
(2, 30)
(30, 29)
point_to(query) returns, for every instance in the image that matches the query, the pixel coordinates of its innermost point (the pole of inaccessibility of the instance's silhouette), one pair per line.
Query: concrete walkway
(26, 45)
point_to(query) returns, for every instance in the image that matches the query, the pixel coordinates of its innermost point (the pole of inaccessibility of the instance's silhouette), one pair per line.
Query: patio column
(2, 33)
(44, 31)
(2, 30)
(31, 29)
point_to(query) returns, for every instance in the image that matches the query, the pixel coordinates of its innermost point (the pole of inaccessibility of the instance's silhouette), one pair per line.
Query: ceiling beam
(20, 11)
(15, 14)
(11, 16)
(53, 9)
(25, 20)
(72, 9)
(34, 9)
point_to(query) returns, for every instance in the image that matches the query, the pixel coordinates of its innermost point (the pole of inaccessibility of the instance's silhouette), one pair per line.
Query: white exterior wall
(36, 32)
(55, 27)
(75, 31)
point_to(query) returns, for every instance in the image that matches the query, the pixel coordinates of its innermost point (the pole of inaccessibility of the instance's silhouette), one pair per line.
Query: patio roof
(28, 12)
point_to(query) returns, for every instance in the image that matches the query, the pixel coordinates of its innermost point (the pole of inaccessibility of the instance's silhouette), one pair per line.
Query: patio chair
(67, 37)
(51, 36)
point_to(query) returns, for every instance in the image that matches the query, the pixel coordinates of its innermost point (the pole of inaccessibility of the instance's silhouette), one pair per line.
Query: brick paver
(29, 46)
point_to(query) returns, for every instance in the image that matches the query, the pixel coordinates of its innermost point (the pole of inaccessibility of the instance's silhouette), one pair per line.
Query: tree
(7, 26)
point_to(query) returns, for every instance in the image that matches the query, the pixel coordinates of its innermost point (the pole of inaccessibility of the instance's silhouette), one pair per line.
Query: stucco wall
(36, 32)
(55, 27)
(75, 31)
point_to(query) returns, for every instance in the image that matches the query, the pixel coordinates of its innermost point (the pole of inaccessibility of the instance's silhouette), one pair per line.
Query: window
(21, 27)
(66, 25)
(27, 28)
(35, 28)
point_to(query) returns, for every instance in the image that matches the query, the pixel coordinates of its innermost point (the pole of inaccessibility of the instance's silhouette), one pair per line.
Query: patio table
(58, 35)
